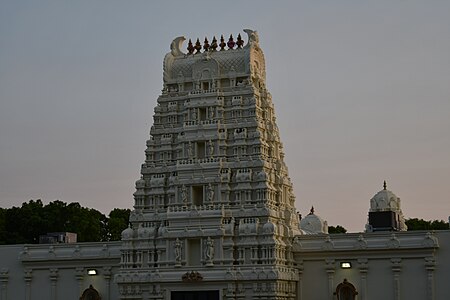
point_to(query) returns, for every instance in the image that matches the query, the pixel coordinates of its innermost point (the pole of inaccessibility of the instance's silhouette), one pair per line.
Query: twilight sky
(361, 92)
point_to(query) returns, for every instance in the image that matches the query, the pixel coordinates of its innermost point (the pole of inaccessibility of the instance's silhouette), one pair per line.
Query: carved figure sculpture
(209, 250)
(184, 194)
(210, 193)
(190, 150)
(178, 250)
(210, 148)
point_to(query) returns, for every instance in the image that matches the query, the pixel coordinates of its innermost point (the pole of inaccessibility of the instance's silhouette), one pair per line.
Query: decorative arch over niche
(346, 291)
(90, 294)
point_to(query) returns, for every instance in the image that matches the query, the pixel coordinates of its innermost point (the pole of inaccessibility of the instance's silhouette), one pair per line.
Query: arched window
(346, 291)
(90, 294)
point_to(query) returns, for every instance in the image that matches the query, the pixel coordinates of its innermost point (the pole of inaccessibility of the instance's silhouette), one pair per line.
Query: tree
(2, 226)
(20, 225)
(117, 222)
(421, 224)
(337, 229)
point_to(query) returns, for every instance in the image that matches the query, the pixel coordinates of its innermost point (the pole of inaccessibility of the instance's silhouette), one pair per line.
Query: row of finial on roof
(214, 45)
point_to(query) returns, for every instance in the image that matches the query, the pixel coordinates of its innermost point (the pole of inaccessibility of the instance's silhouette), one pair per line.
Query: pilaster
(107, 276)
(330, 273)
(4, 277)
(79, 276)
(54, 280)
(28, 277)
(430, 265)
(299, 282)
(396, 269)
(363, 269)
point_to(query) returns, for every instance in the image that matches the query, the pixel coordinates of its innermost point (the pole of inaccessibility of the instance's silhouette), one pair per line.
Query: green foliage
(2, 226)
(337, 229)
(117, 222)
(19, 225)
(420, 224)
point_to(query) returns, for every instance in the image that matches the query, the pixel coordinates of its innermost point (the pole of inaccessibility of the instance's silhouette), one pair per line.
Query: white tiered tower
(214, 213)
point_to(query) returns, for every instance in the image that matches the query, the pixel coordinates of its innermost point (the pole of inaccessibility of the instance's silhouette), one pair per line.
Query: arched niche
(346, 291)
(90, 294)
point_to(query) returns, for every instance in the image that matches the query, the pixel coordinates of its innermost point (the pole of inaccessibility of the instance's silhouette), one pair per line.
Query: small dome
(313, 224)
(143, 232)
(385, 200)
(127, 234)
(140, 183)
(269, 227)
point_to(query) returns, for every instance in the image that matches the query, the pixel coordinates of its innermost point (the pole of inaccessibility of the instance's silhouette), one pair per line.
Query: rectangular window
(197, 195)
(201, 148)
(193, 252)
(202, 113)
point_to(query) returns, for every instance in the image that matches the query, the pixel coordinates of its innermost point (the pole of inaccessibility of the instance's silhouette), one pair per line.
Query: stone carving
(176, 45)
(209, 254)
(178, 249)
(210, 148)
(190, 150)
(210, 194)
(192, 276)
(184, 194)
(253, 38)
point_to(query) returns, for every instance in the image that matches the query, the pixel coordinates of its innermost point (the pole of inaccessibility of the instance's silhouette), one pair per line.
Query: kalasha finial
(231, 43)
(311, 212)
(190, 47)
(214, 44)
(198, 46)
(222, 43)
(206, 44)
(384, 185)
(239, 41)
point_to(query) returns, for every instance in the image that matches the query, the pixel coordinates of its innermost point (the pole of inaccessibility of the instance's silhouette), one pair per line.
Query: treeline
(24, 225)
(420, 224)
(413, 224)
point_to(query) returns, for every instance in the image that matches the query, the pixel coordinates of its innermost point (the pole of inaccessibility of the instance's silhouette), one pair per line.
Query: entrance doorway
(195, 295)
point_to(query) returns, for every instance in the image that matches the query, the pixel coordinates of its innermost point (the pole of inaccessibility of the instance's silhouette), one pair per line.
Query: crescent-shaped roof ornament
(253, 38)
(175, 46)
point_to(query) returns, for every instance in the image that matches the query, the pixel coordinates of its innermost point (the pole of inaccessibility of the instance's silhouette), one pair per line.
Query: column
(299, 282)
(430, 265)
(79, 276)
(4, 276)
(107, 276)
(28, 276)
(363, 275)
(330, 272)
(396, 268)
(53, 279)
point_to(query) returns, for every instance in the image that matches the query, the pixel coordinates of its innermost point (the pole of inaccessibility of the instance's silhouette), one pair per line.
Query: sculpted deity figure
(210, 148)
(190, 150)
(210, 193)
(211, 112)
(178, 250)
(184, 194)
(209, 250)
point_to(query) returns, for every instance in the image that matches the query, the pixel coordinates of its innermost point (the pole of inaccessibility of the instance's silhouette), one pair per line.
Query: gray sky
(361, 92)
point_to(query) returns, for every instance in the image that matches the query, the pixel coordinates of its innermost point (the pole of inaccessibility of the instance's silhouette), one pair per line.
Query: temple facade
(214, 214)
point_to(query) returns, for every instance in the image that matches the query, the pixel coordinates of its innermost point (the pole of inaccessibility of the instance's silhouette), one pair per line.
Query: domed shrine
(385, 213)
